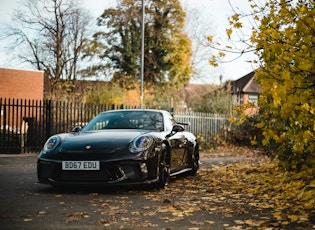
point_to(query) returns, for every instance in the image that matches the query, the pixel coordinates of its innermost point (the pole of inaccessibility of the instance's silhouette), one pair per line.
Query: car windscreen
(148, 120)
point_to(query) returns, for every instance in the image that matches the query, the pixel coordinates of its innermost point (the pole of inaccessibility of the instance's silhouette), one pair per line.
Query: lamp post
(142, 55)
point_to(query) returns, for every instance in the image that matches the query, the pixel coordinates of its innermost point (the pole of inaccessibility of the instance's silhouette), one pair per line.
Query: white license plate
(80, 165)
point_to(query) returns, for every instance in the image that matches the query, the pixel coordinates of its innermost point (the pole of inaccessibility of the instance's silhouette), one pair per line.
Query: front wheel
(164, 168)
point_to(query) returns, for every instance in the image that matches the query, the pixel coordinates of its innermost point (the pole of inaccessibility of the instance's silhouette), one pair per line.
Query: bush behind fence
(26, 124)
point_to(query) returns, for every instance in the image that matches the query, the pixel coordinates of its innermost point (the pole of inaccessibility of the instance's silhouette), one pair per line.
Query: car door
(178, 141)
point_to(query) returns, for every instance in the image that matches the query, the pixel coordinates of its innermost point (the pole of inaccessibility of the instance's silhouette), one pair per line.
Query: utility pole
(142, 55)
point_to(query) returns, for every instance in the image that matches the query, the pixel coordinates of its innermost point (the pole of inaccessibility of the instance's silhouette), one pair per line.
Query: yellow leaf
(260, 125)
(310, 205)
(277, 215)
(210, 222)
(229, 33)
(296, 218)
(210, 39)
(308, 195)
(232, 119)
(238, 25)
(255, 223)
(254, 142)
(293, 218)
(239, 222)
(221, 54)
(213, 63)
(235, 17)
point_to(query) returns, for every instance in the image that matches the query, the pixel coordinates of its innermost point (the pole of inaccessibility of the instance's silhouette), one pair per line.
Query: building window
(253, 98)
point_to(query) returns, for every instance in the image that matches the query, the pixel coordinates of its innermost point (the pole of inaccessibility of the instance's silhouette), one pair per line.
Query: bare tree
(198, 24)
(50, 35)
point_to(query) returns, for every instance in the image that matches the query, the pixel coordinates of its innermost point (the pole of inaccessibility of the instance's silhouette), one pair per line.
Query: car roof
(132, 110)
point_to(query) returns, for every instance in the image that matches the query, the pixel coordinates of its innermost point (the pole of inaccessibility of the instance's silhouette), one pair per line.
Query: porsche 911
(120, 147)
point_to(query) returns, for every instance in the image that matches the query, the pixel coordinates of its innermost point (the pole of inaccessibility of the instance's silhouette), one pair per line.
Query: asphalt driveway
(187, 203)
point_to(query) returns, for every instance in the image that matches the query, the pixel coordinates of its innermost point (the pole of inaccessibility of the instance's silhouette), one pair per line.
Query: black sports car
(137, 146)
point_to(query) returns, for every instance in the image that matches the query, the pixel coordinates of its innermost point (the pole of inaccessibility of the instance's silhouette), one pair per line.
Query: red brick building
(21, 84)
(245, 90)
(20, 91)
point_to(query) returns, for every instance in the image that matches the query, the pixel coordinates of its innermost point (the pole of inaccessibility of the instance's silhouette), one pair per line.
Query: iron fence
(26, 124)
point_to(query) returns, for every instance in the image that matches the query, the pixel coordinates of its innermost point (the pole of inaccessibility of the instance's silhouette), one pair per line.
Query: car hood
(106, 140)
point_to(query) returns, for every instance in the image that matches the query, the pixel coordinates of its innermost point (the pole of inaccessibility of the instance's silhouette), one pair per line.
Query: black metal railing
(26, 124)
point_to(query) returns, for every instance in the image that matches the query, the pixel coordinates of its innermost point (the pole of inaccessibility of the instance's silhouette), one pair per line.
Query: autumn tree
(167, 48)
(50, 35)
(286, 46)
(283, 37)
(108, 93)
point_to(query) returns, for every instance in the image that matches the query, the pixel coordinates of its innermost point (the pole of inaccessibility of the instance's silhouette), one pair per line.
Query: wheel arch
(168, 146)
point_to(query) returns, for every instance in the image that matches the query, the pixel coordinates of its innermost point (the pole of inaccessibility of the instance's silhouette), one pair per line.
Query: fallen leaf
(27, 220)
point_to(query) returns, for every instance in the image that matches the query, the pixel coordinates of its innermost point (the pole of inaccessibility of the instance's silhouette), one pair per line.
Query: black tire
(164, 168)
(195, 161)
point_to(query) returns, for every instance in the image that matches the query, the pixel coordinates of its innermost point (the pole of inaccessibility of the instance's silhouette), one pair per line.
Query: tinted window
(149, 120)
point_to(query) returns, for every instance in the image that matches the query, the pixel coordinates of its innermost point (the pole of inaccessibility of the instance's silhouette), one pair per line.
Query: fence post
(49, 118)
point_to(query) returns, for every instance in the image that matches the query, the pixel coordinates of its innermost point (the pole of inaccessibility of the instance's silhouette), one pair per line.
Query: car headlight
(141, 143)
(51, 143)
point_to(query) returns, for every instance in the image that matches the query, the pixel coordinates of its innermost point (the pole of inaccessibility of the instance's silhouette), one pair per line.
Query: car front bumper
(110, 173)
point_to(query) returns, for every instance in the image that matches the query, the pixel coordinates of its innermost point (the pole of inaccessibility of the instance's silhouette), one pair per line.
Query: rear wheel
(195, 161)
(164, 168)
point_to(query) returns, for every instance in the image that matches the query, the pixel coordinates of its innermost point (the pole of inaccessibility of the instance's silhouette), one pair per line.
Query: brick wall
(245, 98)
(21, 84)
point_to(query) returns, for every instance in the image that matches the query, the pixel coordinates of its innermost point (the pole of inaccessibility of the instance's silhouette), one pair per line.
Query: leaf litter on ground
(242, 187)
(255, 193)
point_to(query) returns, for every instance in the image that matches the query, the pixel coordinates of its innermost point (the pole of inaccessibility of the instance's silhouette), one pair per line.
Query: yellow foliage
(285, 48)
(232, 119)
(287, 102)
(254, 141)
(260, 125)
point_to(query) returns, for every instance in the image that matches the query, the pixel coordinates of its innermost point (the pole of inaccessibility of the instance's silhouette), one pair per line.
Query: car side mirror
(76, 129)
(178, 128)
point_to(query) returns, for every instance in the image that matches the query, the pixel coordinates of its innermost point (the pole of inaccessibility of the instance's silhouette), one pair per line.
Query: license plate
(80, 165)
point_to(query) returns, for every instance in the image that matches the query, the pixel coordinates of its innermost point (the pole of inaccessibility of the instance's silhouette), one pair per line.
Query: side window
(151, 121)
(169, 122)
(100, 124)
(97, 123)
